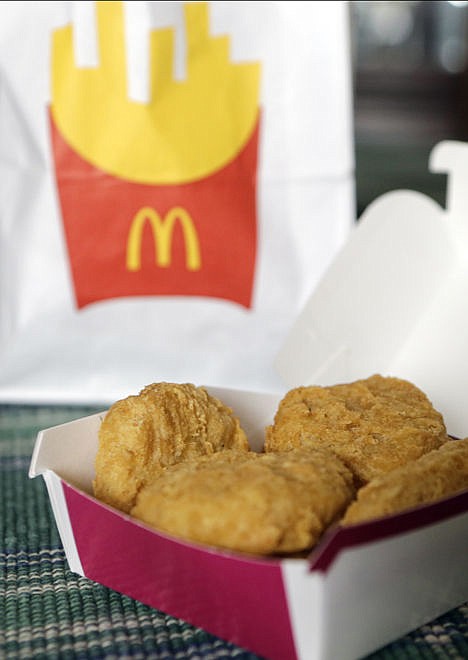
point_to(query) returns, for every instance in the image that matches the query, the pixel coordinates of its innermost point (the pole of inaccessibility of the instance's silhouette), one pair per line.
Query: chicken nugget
(435, 475)
(164, 424)
(252, 503)
(374, 425)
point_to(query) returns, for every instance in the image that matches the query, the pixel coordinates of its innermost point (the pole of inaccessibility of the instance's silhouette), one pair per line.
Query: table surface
(46, 611)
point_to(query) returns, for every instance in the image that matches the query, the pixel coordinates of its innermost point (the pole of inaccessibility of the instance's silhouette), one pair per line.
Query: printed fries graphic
(157, 198)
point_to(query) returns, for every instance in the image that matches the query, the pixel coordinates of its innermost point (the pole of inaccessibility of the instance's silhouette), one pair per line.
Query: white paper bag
(174, 178)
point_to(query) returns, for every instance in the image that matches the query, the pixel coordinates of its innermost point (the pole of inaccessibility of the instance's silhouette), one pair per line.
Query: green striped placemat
(48, 612)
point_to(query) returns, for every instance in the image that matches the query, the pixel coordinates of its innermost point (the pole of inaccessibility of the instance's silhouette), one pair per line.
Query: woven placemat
(46, 611)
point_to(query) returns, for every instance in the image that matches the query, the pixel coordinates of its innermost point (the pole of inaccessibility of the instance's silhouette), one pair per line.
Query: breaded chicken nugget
(439, 473)
(373, 425)
(253, 503)
(165, 424)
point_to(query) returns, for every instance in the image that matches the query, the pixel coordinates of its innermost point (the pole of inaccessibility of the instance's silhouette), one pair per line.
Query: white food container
(395, 302)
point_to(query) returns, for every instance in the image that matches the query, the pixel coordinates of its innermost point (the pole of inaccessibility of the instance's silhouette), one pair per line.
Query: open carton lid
(395, 300)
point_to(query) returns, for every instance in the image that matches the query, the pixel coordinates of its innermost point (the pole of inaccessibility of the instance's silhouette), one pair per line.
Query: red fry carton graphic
(157, 198)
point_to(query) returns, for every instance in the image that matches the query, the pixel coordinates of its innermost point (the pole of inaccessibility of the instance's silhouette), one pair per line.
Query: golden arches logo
(163, 230)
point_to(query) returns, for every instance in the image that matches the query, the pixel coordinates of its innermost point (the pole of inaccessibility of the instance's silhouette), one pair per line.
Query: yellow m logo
(163, 229)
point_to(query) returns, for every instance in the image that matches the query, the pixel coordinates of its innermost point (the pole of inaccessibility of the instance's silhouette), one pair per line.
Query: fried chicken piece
(253, 503)
(435, 475)
(373, 425)
(165, 424)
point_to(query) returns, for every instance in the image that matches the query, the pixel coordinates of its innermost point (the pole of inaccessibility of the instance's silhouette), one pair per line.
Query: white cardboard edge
(62, 519)
(385, 583)
(68, 450)
(304, 595)
(394, 588)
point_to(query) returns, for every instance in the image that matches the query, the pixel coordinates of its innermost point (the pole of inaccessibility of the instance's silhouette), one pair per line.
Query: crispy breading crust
(253, 503)
(435, 475)
(373, 425)
(164, 424)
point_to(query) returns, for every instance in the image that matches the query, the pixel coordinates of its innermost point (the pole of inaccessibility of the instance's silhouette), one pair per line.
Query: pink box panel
(239, 599)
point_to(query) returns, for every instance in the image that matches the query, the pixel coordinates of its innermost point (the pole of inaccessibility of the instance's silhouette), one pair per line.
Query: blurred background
(410, 68)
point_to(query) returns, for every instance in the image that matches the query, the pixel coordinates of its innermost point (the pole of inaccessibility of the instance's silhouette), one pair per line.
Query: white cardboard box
(395, 301)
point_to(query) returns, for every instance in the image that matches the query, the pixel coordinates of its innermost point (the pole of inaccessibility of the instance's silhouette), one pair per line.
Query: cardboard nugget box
(378, 309)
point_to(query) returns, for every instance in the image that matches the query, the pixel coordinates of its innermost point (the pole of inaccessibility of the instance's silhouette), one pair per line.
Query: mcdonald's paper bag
(175, 177)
